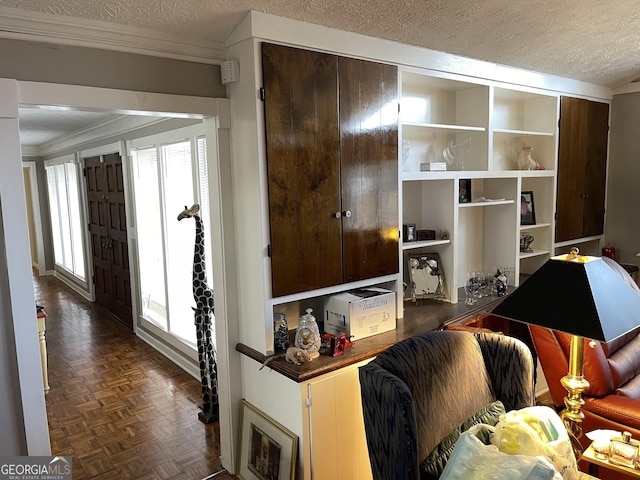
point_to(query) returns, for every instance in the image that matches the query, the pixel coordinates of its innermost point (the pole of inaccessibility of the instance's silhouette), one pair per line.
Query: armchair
(419, 390)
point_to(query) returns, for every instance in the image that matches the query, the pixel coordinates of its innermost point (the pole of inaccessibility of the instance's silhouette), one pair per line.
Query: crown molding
(18, 24)
(100, 132)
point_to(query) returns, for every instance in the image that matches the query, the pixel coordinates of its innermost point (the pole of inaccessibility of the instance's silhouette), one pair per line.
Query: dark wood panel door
(369, 168)
(303, 164)
(108, 230)
(582, 164)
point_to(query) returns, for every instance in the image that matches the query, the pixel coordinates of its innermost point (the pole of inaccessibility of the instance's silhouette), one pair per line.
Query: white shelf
(524, 228)
(479, 174)
(488, 203)
(425, 243)
(523, 132)
(440, 126)
(334, 289)
(535, 253)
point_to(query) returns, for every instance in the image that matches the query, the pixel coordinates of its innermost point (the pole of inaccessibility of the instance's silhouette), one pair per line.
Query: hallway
(116, 405)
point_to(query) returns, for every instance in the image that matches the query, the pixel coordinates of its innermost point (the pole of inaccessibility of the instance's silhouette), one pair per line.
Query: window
(167, 177)
(66, 223)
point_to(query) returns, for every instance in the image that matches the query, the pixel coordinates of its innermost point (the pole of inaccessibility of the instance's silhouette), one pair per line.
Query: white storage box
(360, 313)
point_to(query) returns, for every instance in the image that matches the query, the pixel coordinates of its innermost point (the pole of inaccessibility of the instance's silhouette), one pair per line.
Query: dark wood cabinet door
(582, 163)
(303, 165)
(332, 163)
(369, 168)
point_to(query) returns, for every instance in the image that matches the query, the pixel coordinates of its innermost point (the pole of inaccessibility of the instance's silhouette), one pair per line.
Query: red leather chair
(612, 400)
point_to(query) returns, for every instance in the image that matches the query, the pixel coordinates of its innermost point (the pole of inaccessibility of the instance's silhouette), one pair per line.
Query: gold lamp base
(574, 383)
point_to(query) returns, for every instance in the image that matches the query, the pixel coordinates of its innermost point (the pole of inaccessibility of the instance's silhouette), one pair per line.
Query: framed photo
(527, 209)
(464, 190)
(409, 232)
(426, 277)
(268, 450)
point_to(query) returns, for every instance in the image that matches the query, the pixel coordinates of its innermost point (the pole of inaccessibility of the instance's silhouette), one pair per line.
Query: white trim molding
(18, 24)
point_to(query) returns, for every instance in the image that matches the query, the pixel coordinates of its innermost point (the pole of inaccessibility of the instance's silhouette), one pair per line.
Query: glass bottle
(308, 334)
(624, 451)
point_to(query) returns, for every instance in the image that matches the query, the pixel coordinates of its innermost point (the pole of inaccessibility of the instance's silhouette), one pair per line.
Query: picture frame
(426, 277)
(409, 232)
(464, 190)
(268, 450)
(527, 208)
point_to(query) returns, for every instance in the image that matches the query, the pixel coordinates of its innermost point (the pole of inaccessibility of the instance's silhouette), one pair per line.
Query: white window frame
(83, 282)
(191, 133)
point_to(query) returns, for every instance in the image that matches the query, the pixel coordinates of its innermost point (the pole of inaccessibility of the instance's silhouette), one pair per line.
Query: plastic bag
(472, 459)
(537, 431)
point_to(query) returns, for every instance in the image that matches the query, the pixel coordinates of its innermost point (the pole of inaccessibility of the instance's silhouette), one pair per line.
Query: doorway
(108, 235)
(216, 122)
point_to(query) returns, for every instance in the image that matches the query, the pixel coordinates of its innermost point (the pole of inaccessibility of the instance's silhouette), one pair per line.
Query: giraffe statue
(203, 295)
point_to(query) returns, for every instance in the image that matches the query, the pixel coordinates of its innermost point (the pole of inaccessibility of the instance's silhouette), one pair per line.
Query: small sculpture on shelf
(526, 240)
(281, 335)
(308, 334)
(456, 153)
(526, 160)
(501, 281)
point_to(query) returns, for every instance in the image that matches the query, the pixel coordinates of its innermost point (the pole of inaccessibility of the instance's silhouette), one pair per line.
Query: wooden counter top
(430, 315)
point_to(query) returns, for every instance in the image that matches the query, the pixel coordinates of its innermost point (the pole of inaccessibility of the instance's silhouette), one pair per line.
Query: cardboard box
(360, 313)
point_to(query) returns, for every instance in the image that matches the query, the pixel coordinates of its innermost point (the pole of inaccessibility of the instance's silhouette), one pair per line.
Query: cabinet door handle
(337, 215)
(585, 195)
(346, 213)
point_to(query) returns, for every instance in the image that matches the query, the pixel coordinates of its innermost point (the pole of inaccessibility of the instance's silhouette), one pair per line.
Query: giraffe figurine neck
(199, 265)
(201, 292)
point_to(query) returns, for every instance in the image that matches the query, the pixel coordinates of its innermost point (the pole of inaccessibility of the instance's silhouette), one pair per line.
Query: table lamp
(581, 296)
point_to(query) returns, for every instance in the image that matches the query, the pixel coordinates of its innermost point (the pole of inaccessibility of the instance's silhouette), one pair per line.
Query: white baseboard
(184, 363)
(74, 286)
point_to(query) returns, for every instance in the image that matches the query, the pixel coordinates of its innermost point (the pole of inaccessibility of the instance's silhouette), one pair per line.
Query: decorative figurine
(525, 160)
(526, 240)
(308, 334)
(501, 282)
(281, 335)
(203, 313)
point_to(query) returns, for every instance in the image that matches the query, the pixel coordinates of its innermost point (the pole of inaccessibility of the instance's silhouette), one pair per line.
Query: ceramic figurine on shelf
(525, 160)
(526, 240)
(308, 334)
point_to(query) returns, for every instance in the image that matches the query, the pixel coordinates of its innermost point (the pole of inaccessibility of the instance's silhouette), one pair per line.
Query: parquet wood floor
(117, 406)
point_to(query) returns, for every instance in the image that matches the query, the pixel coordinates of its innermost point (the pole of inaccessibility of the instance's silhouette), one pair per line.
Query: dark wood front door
(108, 231)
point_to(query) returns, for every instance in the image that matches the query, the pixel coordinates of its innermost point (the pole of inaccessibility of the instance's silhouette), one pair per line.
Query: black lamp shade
(585, 298)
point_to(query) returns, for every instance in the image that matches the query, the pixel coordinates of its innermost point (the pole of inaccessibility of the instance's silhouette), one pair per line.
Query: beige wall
(39, 62)
(623, 202)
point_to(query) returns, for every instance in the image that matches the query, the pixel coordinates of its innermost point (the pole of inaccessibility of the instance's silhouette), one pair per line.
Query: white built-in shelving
(486, 127)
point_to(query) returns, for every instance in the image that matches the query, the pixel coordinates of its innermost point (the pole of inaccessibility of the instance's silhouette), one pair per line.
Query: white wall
(623, 180)
(23, 415)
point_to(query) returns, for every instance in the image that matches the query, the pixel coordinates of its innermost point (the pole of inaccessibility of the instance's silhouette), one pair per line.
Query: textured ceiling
(597, 41)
